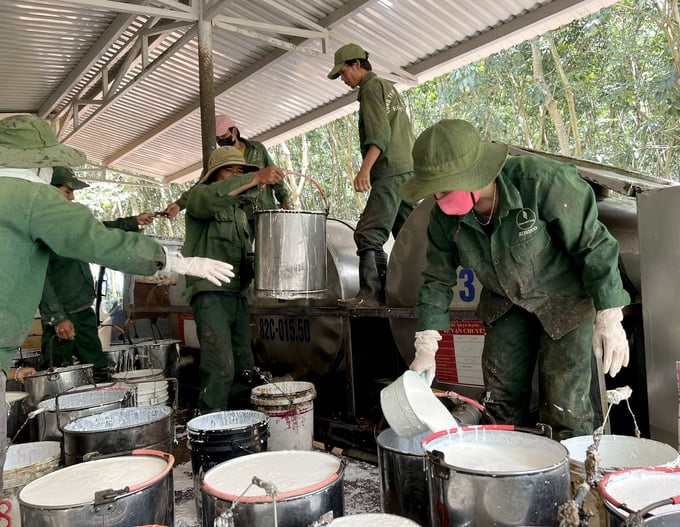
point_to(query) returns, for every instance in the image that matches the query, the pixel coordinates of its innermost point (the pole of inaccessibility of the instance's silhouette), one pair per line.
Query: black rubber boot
(101, 375)
(372, 272)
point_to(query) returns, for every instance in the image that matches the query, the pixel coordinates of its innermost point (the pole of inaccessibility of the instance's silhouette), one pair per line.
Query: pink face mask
(457, 202)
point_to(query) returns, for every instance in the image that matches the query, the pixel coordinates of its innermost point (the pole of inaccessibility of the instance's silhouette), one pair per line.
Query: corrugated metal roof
(270, 60)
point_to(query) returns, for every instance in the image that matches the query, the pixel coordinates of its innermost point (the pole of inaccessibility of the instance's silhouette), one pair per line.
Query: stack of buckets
(282, 419)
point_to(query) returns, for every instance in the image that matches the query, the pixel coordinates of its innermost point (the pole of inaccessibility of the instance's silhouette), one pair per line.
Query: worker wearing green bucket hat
(217, 227)
(528, 227)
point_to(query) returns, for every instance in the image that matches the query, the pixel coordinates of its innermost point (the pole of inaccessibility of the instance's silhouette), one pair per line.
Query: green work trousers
(514, 346)
(385, 212)
(86, 347)
(223, 326)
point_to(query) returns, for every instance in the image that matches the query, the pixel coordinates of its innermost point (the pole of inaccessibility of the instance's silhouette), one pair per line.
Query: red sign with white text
(459, 359)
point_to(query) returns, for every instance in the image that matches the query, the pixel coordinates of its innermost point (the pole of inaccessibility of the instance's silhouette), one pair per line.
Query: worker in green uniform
(255, 153)
(386, 140)
(69, 323)
(35, 218)
(528, 227)
(217, 227)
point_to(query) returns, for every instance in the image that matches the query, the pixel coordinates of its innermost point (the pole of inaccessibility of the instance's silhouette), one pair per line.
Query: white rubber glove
(609, 340)
(427, 343)
(212, 270)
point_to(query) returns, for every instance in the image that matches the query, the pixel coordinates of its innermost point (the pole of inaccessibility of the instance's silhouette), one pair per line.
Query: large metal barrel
(290, 254)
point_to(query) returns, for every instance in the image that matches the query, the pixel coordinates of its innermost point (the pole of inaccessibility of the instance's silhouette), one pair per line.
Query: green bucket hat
(225, 156)
(450, 155)
(65, 177)
(27, 141)
(345, 53)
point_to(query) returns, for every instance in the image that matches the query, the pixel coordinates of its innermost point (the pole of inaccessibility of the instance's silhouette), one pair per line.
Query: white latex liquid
(11, 397)
(373, 520)
(77, 484)
(640, 489)
(431, 411)
(497, 458)
(287, 470)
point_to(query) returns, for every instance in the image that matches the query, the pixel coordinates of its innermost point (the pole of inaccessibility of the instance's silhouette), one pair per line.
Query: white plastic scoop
(410, 407)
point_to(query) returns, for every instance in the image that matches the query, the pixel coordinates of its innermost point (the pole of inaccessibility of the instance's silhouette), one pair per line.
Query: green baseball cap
(27, 141)
(450, 155)
(65, 177)
(345, 53)
(226, 156)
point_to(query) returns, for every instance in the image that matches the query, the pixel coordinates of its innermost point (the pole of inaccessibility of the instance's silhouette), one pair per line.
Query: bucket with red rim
(647, 496)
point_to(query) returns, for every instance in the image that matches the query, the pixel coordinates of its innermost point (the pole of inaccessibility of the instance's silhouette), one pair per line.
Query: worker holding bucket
(217, 227)
(528, 227)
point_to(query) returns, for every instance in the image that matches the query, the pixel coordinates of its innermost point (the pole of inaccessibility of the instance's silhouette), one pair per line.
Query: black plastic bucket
(221, 436)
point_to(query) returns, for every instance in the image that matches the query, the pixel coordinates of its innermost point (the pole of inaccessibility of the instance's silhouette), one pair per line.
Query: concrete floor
(361, 483)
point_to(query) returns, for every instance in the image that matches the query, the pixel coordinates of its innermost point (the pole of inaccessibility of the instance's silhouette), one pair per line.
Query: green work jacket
(34, 218)
(217, 227)
(69, 286)
(256, 154)
(548, 252)
(383, 122)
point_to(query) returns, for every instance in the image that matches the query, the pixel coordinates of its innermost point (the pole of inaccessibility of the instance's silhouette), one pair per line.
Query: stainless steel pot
(494, 475)
(163, 354)
(119, 430)
(17, 415)
(240, 490)
(58, 411)
(27, 357)
(119, 491)
(56, 380)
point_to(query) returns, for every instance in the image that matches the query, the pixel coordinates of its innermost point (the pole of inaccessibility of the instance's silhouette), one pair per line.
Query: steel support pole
(206, 85)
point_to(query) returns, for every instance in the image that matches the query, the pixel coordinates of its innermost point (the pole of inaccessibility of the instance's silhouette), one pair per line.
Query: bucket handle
(322, 194)
(476, 404)
(639, 514)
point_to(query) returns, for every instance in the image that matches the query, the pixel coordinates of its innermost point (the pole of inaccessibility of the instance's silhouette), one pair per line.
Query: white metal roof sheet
(57, 53)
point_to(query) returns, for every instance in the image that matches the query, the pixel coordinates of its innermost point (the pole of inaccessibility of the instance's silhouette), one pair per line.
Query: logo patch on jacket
(526, 222)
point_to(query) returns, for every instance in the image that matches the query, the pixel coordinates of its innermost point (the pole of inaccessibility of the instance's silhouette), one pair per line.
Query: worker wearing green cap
(386, 140)
(528, 227)
(69, 323)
